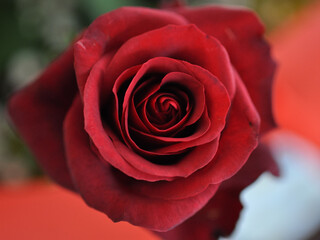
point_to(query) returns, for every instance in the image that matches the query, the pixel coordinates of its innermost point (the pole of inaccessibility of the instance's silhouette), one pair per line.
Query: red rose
(151, 110)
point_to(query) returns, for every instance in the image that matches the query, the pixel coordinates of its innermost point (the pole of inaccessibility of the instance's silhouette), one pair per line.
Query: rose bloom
(151, 114)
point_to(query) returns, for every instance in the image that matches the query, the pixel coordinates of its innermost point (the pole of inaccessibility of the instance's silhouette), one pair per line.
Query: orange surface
(296, 46)
(39, 210)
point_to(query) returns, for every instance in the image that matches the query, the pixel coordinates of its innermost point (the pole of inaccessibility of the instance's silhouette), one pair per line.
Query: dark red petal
(220, 215)
(202, 135)
(38, 112)
(260, 161)
(109, 31)
(217, 104)
(102, 188)
(217, 218)
(166, 65)
(94, 126)
(241, 33)
(120, 81)
(197, 98)
(238, 140)
(191, 162)
(197, 93)
(186, 43)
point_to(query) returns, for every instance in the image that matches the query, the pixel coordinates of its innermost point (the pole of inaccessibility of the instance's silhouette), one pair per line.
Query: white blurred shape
(287, 207)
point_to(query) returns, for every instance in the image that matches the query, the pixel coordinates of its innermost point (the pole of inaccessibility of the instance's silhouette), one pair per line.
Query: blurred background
(34, 32)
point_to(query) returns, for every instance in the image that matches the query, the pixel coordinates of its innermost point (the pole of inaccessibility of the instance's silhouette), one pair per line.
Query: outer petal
(38, 112)
(186, 43)
(241, 32)
(217, 218)
(220, 215)
(261, 160)
(102, 187)
(109, 31)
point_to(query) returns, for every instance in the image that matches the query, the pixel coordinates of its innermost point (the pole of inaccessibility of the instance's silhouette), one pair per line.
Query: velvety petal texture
(151, 115)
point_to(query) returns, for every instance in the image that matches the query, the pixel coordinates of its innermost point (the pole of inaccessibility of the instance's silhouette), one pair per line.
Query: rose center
(163, 109)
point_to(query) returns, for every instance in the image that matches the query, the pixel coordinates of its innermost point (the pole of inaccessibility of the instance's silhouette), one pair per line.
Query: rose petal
(217, 102)
(102, 189)
(94, 126)
(38, 112)
(241, 33)
(197, 99)
(196, 89)
(186, 42)
(128, 74)
(217, 218)
(171, 145)
(190, 162)
(109, 31)
(179, 126)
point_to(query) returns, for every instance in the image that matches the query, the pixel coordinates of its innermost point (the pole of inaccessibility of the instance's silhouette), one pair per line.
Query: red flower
(151, 110)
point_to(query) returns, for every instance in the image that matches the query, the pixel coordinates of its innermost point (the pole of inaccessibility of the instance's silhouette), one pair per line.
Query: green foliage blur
(34, 32)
